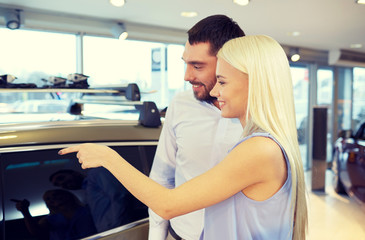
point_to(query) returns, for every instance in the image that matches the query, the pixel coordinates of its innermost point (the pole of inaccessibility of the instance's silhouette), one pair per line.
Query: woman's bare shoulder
(264, 150)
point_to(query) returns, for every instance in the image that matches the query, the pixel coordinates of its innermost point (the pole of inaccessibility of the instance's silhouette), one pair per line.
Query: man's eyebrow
(193, 62)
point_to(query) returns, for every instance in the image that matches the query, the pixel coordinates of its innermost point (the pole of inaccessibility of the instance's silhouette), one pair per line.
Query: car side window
(47, 185)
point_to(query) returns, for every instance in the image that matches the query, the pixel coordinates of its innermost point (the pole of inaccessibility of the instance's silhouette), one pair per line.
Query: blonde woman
(258, 190)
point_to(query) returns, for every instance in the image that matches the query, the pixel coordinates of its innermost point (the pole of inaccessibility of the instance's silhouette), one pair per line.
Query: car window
(39, 176)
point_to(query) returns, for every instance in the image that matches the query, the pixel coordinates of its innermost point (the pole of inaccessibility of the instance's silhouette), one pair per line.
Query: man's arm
(107, 198)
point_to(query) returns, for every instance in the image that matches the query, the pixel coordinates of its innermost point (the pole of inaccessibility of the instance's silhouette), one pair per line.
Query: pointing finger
(69, 150)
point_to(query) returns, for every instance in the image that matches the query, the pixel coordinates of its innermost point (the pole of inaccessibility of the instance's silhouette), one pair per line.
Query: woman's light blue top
(241, 218)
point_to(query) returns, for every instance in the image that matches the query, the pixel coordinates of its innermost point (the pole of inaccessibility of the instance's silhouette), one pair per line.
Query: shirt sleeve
(107, 198)
(158, 226)
(163, 172)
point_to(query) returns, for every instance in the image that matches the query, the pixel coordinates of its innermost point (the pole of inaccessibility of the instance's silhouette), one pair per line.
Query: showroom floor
(333, 216)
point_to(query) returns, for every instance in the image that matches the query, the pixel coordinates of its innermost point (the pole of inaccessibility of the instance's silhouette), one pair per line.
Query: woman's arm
(255, 161)
(39, 229)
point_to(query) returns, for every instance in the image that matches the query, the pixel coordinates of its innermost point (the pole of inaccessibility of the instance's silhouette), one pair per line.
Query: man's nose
(189, 74)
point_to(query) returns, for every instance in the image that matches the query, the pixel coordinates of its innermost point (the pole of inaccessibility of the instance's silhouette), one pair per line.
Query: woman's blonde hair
(270, 107)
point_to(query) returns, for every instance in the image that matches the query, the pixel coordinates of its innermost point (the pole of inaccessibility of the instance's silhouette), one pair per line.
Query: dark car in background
(349, 164)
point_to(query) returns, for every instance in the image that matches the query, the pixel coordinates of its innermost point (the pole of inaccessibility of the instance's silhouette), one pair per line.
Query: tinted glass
(65, 200)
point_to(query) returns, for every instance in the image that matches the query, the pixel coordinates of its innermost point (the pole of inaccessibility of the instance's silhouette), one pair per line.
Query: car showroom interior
(106, 71)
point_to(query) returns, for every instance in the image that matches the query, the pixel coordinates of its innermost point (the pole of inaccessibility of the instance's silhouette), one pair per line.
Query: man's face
(67, 181)
(54, 199)
(200, 70)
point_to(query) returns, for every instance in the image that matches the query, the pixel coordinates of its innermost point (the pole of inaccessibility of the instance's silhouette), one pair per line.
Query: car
(28, 156)
(349, 164)
(44, 194)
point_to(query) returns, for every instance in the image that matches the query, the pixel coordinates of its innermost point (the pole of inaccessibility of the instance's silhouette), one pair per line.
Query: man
(194, 136)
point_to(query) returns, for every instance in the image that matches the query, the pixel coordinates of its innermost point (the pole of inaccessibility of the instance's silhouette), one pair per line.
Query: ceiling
(323, 24)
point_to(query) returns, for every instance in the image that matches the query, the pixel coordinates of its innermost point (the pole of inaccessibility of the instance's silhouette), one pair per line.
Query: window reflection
(49, 190)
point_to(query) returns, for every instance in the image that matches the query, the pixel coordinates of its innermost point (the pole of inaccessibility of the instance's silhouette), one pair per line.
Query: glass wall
(301, 101)
(157, 68)
(325, 98)
(358, 107)
(33, 56)
(344, 98)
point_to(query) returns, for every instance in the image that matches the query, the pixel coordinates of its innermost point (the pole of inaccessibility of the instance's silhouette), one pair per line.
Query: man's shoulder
(187, 99)
(185, 106)
(186, 95)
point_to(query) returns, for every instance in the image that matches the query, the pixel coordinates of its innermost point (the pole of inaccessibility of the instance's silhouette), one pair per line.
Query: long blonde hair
(270, 107)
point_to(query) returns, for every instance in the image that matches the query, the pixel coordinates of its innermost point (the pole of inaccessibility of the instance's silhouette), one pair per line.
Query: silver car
(40, 197)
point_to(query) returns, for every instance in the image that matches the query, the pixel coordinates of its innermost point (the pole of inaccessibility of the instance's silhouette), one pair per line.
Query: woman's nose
(215, 91)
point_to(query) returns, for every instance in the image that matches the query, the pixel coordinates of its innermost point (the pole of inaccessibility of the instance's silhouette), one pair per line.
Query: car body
(349, 164)
(45, 195)
(28, 156)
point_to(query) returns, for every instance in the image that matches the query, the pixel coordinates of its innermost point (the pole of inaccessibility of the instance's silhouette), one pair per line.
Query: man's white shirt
(194, 138)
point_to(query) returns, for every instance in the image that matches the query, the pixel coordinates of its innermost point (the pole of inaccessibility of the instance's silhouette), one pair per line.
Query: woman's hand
(21, 205)
(91, 155)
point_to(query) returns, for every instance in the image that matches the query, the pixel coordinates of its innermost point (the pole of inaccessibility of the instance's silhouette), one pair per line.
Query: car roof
(27, 134)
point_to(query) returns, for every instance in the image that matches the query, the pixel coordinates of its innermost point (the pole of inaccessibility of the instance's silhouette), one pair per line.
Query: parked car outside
(349, 164)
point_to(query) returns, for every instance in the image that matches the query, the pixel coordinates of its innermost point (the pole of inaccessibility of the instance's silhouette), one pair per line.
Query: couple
(257, 191)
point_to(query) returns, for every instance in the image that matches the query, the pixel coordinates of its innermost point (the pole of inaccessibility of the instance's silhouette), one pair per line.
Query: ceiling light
(241, 2)
(360, 1)
(117, 3)
(189, 14)
(294, 54)
(119, 31)
(12, 19)
(356, 45)
(293, 34)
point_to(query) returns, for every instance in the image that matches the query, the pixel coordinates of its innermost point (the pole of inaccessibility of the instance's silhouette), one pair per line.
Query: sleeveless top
(241, 218)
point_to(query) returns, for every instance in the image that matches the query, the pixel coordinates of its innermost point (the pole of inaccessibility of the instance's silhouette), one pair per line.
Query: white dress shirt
(194, 138)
